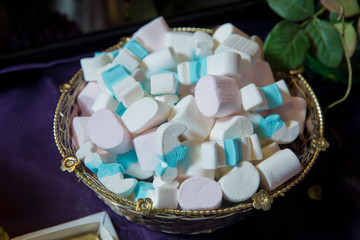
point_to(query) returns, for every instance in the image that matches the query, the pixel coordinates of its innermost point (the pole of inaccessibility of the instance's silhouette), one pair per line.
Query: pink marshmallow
(200, 193)
(293, 110)
(145, 148)
(107, 132)
(261, 74)
(87, 97)
(80, 131)
(217, 96)
(152, 35)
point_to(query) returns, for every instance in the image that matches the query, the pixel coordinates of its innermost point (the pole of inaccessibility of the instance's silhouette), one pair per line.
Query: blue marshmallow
(136, 48)
(113, 76)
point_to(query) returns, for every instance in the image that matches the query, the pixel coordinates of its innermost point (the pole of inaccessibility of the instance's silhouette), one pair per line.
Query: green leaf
(358, 26)
(292, 10)
(326, 43)
(286, 46)
(349, 35)
(351, 7)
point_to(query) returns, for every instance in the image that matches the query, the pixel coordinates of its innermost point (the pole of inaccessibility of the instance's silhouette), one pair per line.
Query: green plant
(321, 37)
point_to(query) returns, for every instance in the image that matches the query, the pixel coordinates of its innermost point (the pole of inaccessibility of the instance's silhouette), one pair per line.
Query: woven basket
(306, 147)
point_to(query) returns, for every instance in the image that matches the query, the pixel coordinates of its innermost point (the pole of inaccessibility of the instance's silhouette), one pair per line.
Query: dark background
(40, 49)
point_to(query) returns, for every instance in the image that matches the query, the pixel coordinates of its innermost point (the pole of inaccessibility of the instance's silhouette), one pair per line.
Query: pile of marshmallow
(190, 120)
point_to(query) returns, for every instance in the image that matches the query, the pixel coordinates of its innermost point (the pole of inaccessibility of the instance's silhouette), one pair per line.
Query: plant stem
(303, 24)
(347, 57)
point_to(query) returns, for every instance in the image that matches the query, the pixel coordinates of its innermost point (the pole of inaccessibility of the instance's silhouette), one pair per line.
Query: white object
(152, 34)
(128, 91)
(231, 127)
(107, 132)
(261, 74)
(287, 133)
(127, 59)
(187, 112)
(240, 183)
(163, 83)
(278, 168)
(203, 43)
(247, 48)
(116, 182)
(225, 30)
(89, 66)
(145, 148)
(144, 114)
(105, 100)
(138, 74)
(79, 126)
(251, 97)
(200, 193)
(165, 196)
(99, 78)
(183, 44)
(85, 149)
(169, 99)
(225, 63)
(87, 97)
(162, 60)
(270, 149)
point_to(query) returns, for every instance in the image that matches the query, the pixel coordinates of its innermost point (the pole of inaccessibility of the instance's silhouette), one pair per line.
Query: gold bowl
(306, 147)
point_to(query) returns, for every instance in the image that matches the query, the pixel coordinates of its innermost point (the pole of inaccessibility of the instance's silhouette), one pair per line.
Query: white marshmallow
(201, 53)
(162, 83)
(79, 126)
(144, 114)
(186, 112)
(270, 149)
(224, 63)
(260, 42)
(87, 97)
(165, 196)
(169, 99)
(117, 184)
(91, 64)
(99, 78)
(145, 147)
(225, 30)
(104, 100)
(278, 168)
(247, 48)
(231, 127)
(240, 183)
(183, 44)
(85, 149)
(94, 161)
(203, 43)
(287, 133)
(230, 152)
(165, 59)
(127, 59)
(128, 91)
(251, 97)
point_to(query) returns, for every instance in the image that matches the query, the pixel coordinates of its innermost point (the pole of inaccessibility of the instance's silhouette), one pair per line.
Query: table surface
(36, 194)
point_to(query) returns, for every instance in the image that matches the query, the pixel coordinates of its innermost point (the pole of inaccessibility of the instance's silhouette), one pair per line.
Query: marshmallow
(145, 148)
(144, 114)
(138, 75)
(183, 44)
(260, 42)
(230, 152)
(136, 49)
(231, 127)
(113, 76)
(105, 101)
(94, 161)
(227, 63)
(187, 112)
(203, 40)
(130, 163)
(128, 91)
(169, 99)
(278, 168)
(127, 59)
(293, 110)
(107, 132)
(274, 95)
(84, 149)
(240, 183)
(111, 176)
(163, 83)
(87, 97)
(272, 127)
(89, 65)
(270, 149)
(79, 125)
(247, 48)
(225, 30)
(261, 74)
(110, 54)
(200, 193)
(165, 196)
(99, 78)
(250, 97)
(217, 96)
(169, 149)
(165, 59)
(141, 189)
(190, 165)
(152, 35)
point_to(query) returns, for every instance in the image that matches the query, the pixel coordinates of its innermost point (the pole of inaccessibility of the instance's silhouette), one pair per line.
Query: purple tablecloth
(36, 194)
